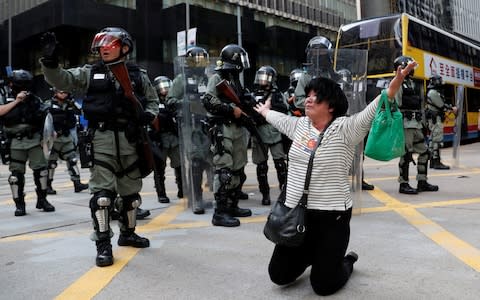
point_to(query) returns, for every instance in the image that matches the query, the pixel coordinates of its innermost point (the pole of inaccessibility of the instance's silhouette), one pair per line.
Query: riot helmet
(196, 57)
(111, 37)
(233, 57)
(265, 77)
(403, 61)
(319, 57)
(162, 84)
(20, 80)
(345, 76)
(318, 42)
(436, 81)
(295, 75)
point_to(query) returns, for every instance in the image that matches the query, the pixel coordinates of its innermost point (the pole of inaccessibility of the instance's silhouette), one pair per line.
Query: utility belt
(104, 126)
(432, 115)
(64, 132)
(27, 133)
(412, 115)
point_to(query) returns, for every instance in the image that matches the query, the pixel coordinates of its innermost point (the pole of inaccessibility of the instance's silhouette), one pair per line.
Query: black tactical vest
(107, 103)
(26, 112)
(63, 120)
(410, 99)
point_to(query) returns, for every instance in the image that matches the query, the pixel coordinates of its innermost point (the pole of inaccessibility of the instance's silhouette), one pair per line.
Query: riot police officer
(116, 125)
(229, 144)
(166, 141)
(319, 63)
(63, 110)
(435, 113)
(410, 104)
(22, 124)
(266, 88)
(194, 83)
(295, 75)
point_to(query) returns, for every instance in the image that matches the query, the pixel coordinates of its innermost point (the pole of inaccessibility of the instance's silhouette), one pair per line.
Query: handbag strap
(304, 199)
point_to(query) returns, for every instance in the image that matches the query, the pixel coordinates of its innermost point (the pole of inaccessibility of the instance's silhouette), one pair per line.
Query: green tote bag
(386, 139)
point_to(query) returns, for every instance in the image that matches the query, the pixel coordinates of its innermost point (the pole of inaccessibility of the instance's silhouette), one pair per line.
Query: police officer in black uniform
(23, 124)
(410, 104)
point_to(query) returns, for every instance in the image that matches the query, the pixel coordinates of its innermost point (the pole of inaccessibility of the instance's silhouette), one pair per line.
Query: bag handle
(384, 102)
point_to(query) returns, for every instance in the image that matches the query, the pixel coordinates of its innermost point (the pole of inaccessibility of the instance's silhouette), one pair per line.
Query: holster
(5, 150)
(85, 148)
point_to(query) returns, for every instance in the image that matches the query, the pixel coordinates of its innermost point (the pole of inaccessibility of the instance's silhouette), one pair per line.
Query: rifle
(144, 149)
(245, 119)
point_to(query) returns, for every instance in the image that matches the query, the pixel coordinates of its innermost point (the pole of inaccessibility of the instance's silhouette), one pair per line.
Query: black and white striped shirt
(329, 185)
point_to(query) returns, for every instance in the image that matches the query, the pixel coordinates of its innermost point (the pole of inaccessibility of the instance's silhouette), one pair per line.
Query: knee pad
(17, 183)
(40, 177)
(101, 200)
(100, 205)
(129, 211)
(280, 164)
(262, 168)
(224, 176)
(52, 164)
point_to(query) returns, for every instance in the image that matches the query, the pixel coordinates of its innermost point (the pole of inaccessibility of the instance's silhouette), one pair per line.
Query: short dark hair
(330, 91)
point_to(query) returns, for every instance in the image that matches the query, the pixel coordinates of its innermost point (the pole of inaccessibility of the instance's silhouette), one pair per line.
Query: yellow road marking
(460, 249)
(92, 282)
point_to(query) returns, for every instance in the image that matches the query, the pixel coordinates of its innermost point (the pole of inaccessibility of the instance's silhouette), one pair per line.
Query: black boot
(104, 253)
(130, 238)
(178, 181)
(405, 188)
(42, 202)
(266, 199)
(221, 215)
(50, 190)
(424, 186)
(20, 207)
(435, 163)
(233, 208)
(160, 187)
(141, 213)
(367, 187)
(78, 186)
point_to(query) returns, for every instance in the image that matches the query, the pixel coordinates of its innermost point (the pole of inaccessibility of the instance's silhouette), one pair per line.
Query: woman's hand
(264, 108)
(400, 75)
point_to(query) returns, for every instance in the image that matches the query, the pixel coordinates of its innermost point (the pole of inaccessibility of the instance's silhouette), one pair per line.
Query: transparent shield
(196, 158)
(458, 126)
(351, 74)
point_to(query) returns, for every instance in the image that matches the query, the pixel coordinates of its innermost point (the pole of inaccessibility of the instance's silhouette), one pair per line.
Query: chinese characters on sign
(451, 71)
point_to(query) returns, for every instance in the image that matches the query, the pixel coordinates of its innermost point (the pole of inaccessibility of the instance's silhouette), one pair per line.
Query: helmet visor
(107, 40)
(263, 79)
(245, 60)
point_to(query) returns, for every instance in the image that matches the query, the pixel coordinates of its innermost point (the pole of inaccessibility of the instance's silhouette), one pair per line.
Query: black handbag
(287, 226)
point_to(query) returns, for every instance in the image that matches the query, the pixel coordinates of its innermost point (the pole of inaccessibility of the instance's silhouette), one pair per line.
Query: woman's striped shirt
(329, 185)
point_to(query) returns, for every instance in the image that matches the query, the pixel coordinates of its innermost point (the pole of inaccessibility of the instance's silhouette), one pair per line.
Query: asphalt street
(424, 246)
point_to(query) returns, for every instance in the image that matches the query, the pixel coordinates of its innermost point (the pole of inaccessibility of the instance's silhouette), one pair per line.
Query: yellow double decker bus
(436, 51)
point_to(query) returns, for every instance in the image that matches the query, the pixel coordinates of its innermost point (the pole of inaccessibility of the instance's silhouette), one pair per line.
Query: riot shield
(351, 73)
(458, 126)
(196, 158)
(49, 135)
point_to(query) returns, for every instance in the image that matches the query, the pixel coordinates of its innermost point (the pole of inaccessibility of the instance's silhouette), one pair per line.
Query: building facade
(274, 32)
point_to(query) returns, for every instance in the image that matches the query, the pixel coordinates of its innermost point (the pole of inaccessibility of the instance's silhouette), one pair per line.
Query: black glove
(49, 44)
